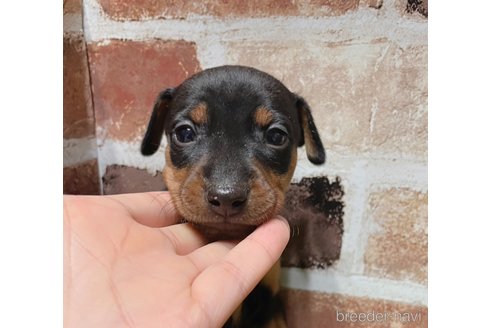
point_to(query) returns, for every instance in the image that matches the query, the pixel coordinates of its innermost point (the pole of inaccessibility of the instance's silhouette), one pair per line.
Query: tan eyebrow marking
(263, 116)
(199, 114)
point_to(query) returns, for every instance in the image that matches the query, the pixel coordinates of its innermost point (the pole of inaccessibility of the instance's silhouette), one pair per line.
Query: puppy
(232, 136)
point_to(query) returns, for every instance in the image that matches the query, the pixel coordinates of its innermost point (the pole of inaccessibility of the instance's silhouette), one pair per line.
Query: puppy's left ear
(155, 129)
(310, 136)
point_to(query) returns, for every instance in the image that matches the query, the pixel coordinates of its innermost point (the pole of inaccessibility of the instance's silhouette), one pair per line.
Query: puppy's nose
(227, 202)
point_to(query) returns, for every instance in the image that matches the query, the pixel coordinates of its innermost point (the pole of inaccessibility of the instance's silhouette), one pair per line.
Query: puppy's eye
(184, 134)
(276, 137)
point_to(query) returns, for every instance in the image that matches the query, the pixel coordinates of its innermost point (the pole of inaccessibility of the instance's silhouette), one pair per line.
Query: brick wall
(359, 222)
(80, 169)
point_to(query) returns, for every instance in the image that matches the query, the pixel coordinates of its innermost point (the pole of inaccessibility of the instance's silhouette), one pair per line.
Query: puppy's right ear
(155, 129)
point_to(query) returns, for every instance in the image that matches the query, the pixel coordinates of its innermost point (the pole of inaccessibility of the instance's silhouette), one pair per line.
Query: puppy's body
(232, 135)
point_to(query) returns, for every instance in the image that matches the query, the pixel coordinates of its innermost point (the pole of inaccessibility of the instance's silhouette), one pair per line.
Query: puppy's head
(232, 135)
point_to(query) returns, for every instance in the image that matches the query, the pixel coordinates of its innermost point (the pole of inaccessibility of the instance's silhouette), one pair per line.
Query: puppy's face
(232, 135)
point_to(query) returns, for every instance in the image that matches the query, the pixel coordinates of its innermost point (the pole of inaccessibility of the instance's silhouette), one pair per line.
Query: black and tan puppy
(232, 135)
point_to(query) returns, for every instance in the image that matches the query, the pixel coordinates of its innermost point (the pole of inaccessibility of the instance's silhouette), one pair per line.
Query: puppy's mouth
(236, 227)
(224, 230)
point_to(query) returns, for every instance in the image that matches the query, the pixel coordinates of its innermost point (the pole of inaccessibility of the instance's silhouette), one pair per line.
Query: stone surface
(364, 96)
(136, 10)
(78, 114)
(81, 179)
(127, 76)
(119, 179)
(314, 209)
(397, 245)
(312, 309)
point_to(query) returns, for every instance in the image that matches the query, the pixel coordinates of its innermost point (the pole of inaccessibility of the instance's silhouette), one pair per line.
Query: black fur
(232, 94)
(260, 307)
(155, 129)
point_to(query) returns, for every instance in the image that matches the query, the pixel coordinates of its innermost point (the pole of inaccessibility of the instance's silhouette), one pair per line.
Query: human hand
(127, 263)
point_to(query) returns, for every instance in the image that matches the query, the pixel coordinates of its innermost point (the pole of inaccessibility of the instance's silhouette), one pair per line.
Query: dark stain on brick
(120, 179)
(325, 197)
(314, 209)
(419, 6)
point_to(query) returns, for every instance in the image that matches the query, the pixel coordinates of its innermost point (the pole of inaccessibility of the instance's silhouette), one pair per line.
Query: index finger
(153, 209)
(221, 287)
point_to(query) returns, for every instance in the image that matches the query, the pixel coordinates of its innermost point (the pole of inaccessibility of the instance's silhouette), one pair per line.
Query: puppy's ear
(310, 136)
(155, 129)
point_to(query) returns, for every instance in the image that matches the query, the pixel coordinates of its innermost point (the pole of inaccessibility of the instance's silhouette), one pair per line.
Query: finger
(183, 238)
(241, 269)
(210, 254)
(153, 209)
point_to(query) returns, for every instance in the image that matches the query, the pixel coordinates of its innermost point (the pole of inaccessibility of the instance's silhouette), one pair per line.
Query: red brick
(81, 179)
(135, 9)
(312, 309)
(78, 115)
(72, 7)
(398, 247)
(119, 179)
(127, 77)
